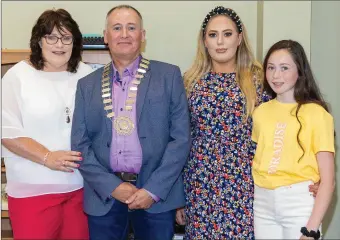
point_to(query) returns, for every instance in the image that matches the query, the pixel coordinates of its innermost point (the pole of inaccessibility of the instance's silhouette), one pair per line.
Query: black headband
(223, 11)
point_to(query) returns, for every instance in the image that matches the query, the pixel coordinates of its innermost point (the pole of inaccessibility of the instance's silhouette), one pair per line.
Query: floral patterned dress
(217, 177)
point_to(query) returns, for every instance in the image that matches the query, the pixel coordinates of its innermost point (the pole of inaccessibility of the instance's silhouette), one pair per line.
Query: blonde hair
(248, 70)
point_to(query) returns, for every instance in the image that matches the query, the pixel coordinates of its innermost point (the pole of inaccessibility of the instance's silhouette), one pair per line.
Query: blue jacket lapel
(142, 90)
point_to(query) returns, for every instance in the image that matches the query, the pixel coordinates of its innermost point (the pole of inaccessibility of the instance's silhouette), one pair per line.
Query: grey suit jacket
(163, 130)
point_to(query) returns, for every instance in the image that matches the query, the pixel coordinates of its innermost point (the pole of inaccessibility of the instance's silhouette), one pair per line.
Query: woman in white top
(44, 186)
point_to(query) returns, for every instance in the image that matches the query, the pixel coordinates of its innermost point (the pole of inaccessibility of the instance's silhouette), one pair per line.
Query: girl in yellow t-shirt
(295, 146)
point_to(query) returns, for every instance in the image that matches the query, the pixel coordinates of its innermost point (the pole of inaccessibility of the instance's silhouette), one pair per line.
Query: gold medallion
(123, 125)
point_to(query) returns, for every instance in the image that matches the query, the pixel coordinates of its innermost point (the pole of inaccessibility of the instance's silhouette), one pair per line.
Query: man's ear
(143, 35)
(105, 37)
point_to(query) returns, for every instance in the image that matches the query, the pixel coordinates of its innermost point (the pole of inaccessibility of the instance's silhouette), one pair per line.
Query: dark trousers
(146, 226)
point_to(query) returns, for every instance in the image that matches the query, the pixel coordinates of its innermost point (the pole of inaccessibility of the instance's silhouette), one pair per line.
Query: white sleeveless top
(33, 105)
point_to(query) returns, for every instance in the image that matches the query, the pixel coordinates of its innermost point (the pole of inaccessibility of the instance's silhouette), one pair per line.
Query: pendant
(123, 125)
(67, 111)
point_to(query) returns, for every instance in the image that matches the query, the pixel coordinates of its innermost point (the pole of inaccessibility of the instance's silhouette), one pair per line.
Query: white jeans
(280, 213)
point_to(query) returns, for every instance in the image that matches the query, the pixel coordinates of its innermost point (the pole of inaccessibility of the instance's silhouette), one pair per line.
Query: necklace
(65, 101)
(122, 124)
(67, 112)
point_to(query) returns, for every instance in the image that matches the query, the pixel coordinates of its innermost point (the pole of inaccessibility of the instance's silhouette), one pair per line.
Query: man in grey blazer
(131, 124)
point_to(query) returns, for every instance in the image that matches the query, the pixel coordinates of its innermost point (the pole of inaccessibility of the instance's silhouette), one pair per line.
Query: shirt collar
(128, 71)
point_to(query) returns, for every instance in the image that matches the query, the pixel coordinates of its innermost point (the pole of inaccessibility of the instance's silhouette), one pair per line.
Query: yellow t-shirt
(275, 127)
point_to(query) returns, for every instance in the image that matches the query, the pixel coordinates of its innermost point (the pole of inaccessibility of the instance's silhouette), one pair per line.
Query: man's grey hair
(123, 6)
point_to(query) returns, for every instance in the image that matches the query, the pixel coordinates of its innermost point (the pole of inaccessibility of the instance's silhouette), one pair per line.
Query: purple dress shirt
(125, 151)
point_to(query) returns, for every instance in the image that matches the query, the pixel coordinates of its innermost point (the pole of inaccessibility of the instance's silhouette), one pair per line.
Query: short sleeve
(12, 124)
(323, 132)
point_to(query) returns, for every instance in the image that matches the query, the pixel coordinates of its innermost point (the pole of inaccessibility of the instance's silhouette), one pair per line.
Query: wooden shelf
(4, 214)
(6, 235)
(12, 56)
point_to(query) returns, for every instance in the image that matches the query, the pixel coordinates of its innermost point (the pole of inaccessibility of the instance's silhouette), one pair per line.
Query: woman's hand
(63, 160)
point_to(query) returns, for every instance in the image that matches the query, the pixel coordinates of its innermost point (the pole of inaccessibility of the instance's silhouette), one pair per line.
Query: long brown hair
(306, 89)
(247, 69)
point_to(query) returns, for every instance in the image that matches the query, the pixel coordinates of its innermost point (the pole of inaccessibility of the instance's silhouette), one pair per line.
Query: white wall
(325, 60)
(286, 20)
(172, 29)
(171, 26)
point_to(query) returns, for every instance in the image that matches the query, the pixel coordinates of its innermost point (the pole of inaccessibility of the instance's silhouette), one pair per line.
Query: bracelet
(316, 235)
(45, 158)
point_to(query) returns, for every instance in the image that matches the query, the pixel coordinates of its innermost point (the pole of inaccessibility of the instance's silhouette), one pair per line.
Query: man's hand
(140, 200)
(180, 216)
(124, 191)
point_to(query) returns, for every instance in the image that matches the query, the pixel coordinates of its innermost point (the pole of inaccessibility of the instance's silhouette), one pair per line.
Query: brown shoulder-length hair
(45, 24)
(306, 89)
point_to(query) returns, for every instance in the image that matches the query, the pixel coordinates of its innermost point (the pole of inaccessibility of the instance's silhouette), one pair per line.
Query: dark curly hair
(306, 89)
(45, 24)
